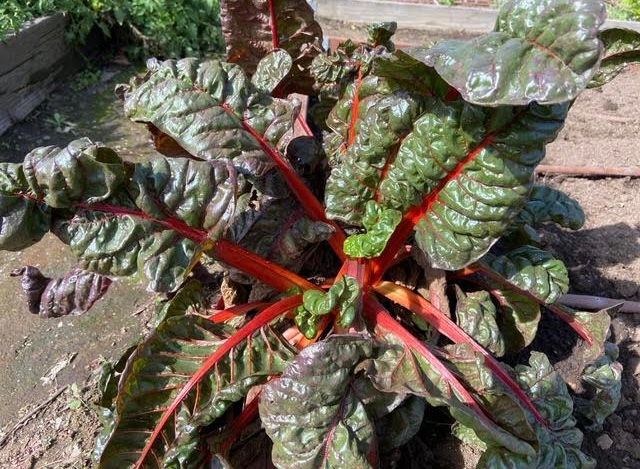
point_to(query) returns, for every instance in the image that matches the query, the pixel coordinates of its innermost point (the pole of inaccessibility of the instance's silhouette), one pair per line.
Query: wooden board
(31, 63)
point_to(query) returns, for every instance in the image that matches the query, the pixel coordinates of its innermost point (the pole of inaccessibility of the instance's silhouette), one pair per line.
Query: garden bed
(604, 259)
(32, 63)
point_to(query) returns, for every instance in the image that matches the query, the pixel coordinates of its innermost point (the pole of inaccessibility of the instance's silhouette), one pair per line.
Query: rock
(604, 441)
(634, 450)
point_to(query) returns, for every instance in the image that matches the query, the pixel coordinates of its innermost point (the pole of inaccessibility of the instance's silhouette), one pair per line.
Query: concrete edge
(423, 17)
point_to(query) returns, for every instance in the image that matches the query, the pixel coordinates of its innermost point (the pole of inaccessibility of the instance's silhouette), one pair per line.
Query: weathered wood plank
(31, 62)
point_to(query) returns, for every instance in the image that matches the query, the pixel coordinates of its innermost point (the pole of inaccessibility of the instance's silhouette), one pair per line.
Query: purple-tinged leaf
(161, 367)
(417, 371)
(71, 295)
(313, 413)
(33, 284)
(621, 48)
(254, 28)
(540, 50)
(518, 318)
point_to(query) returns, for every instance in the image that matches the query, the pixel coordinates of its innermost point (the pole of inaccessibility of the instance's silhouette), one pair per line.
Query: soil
(603, 259)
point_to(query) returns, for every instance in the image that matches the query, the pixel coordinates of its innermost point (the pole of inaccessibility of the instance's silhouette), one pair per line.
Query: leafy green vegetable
(425, 163)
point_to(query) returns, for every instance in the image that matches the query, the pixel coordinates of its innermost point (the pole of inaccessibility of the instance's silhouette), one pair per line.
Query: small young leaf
(379, 223)
(621, 48)
(344, 295)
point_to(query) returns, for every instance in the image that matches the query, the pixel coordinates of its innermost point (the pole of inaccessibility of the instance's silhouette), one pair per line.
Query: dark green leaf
(518, 319)
(82, 172)
(540, 50)
(23, 219)
(460, 172)
(547, 204)
(533, 270)
(312, 412)
(380, 34)
(621, 48)
(253, 28)
(271, 70)
(403, 423)
(476, 314)
(162, 365)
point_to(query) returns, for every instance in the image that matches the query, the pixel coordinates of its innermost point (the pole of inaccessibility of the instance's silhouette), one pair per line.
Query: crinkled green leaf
(313, 414)
(82, 172)
(380, 224)
(547, 204)
(597, 325)
(343, 295)
(271, 70)
(253, 28)
(142, 230)
(379, 34)
(621, 48)
(540, 50)
(159, 368)
(23, 220)
(460, 172)
(213, 111)
(476, 314)
(557, 445)
(533, 270)
(71, 295)
(399, 370)
(604, 380)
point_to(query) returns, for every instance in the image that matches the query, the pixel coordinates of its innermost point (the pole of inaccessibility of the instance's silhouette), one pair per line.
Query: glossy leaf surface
(476, 314)
(540, 50)
(458, 172)
(547, 204)
(621, 48)
(314, 414)
(161, 366)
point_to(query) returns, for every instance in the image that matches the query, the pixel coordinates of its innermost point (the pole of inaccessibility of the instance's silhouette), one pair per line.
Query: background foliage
(163, 28)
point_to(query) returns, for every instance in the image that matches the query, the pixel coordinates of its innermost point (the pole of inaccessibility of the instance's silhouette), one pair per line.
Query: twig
(31, 414)
(589, 171)
(596, 303)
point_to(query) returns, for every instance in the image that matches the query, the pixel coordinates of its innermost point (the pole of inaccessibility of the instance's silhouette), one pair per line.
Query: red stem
(274, 25)
(384, 321)
(408, 222)
(261, 320)
(423, 308)
(308, 201)
(496, 277)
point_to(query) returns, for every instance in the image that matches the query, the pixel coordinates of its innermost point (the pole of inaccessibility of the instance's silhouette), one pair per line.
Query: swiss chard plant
(377, 245)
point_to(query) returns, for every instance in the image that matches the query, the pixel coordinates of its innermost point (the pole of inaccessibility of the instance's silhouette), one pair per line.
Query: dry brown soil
(603, 259)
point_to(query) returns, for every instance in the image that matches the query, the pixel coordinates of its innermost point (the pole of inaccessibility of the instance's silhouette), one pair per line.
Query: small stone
(604, 442)
(627, 425)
